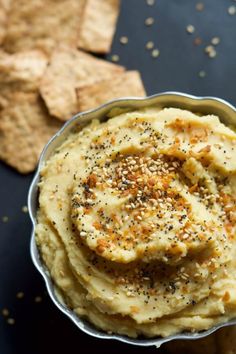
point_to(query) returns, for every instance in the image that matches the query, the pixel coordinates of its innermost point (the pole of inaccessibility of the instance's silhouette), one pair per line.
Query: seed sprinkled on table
(5, 312)
(155, 53)
(5, 218)
(20, 295)
(11, 321)
(38, 299)
(150, 2)
(232, 10)
(149, 45)
(115, 58)
(124, 40)
(200, 6)
(24, 209)
(202, 74)
(215, 40)
(190, 29)
(149, 21)
(210, 51)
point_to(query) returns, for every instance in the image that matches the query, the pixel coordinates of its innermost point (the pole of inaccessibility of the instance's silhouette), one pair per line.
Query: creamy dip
(136, 222)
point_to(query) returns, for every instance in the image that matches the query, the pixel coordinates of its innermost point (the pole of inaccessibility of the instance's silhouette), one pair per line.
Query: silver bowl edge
(210, 105)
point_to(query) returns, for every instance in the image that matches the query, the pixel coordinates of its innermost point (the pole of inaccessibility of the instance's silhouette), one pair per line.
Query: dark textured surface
(39, 327)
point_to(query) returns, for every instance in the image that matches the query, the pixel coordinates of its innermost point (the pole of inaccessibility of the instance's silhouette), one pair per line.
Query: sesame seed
(5, 312)
(212, 54)
(202, 74)
(130, 294)
(11, 321)
(83, 234)
(20, 295)
(215, 40)
(150, 2)
(5, 219)
(124, 40)
(210, 51)
(115, 58)
(38, 299)
(155, 53)
(149, 21)
(190, 29)
(24, 209)
(199, 6)
(232, 10)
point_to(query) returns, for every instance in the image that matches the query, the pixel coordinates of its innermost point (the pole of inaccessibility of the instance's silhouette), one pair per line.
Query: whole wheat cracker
(70, 69)
(25, 127)
(98, 25)
(26, 66)
(43, 24)
(20, 72)
(124, 84)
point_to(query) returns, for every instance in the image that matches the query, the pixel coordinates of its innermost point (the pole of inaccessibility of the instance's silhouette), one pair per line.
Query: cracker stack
(47, 71)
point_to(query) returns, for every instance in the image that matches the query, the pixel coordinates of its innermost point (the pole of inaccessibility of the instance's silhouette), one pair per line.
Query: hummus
(137, 219)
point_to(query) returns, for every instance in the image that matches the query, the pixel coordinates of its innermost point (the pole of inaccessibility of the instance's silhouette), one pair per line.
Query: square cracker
(98, 25)
(120, 85)
(25, 127)
(70, 69)
(20, 72)
(42, 24)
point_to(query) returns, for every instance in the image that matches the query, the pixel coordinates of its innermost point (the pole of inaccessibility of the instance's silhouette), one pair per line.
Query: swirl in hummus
(136, 222)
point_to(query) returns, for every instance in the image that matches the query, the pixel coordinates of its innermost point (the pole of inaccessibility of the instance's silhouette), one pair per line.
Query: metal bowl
(204, 105)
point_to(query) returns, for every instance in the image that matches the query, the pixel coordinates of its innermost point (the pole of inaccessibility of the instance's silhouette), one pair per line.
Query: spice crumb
(190, 29)
(149, 21)
(197, 41)
(124, 40)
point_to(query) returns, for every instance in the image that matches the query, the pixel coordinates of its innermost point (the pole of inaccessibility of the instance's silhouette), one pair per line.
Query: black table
(39, 327)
